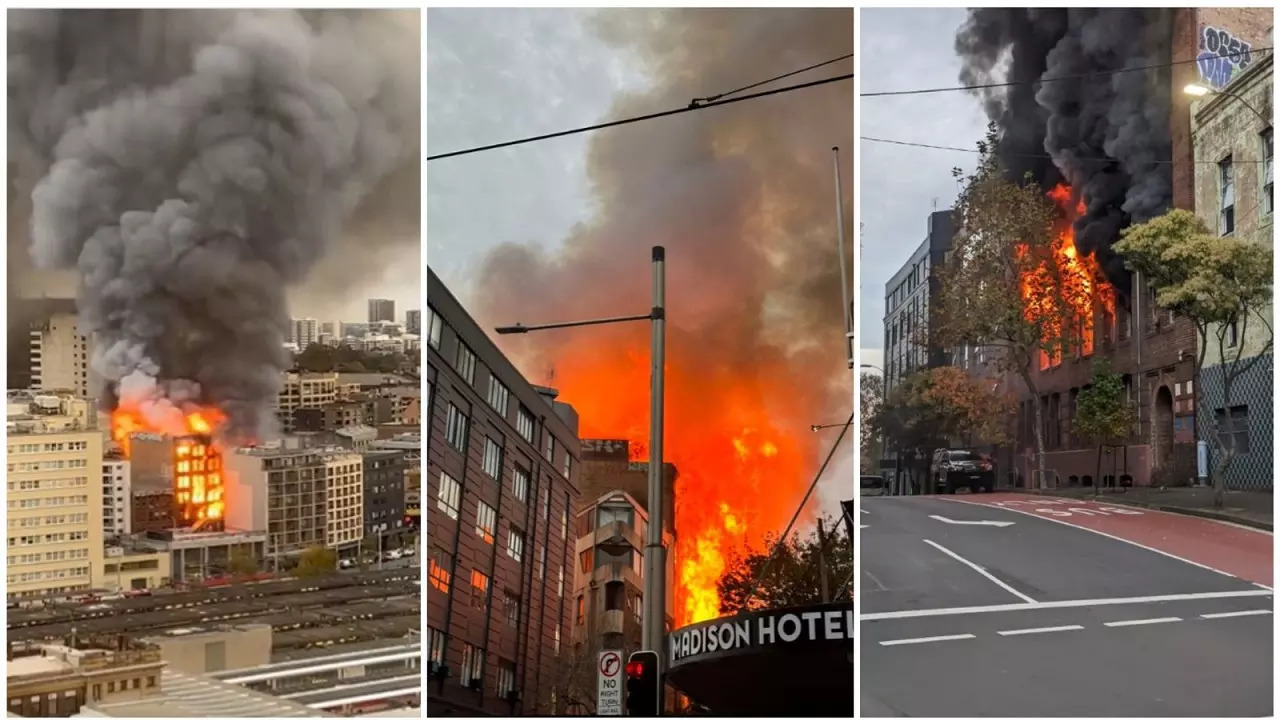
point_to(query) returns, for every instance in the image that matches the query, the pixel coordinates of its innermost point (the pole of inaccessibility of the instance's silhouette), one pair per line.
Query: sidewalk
(1254, 509)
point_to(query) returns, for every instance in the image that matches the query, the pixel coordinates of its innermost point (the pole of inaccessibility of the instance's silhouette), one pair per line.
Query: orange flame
(1068, 288)
(730, 432)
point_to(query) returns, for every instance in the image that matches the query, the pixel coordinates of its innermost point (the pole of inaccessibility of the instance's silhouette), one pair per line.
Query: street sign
(609, 690)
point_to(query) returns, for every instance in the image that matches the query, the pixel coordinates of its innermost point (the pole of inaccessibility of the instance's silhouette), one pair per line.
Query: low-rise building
(49, 680)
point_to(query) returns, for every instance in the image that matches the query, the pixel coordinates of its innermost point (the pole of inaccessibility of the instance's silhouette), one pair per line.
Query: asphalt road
(1041, 619)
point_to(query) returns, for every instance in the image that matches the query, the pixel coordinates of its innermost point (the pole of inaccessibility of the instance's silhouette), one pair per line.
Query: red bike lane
(1229, 549)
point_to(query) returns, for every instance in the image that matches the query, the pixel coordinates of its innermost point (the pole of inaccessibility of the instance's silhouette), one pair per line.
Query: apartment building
(117, 495)
(304, 390)
(907, 298)
(502, 474)
(59, 355)
(383, 491)
(55, 521)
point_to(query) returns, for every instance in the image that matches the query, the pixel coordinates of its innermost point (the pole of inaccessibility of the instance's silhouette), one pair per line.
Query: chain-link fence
(1247, 417)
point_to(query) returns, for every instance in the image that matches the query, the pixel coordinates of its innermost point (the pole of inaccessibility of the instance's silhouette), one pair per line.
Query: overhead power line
(650, 116)
(713, 98)
(1061, 78)
(1036, 155)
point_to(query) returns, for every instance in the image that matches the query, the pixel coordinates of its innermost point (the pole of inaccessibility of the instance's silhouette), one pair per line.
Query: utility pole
(822, 563)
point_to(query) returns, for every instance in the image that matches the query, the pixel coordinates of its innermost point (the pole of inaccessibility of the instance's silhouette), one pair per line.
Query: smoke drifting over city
(193, 165)
(1122, 116)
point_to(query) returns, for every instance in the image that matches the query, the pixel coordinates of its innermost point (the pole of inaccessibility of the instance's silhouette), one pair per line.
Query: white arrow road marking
(982, 571)
(1148, 621)
(992, 523)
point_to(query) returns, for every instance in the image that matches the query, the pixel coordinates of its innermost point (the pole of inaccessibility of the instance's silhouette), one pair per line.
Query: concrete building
(55, 528)
(151, 510)
(191, 555)
(304, 390)
(59, 355)
(502, 480)
(117, 493)
(1234, 196)
(907, 298)
(57, 680)
(304, 331)
(383, 491)
(136, 568)
(413, 322)
(301, 497)
(381, 310)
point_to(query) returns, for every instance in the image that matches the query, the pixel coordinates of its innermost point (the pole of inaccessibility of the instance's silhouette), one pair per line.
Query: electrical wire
(713, 98)
(804, 500)
(1062, 78)
(1040, 155)
(650, 116)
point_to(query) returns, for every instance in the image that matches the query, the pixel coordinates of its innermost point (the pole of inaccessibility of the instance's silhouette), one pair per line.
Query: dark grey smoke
(1123, 117)
(191, 165)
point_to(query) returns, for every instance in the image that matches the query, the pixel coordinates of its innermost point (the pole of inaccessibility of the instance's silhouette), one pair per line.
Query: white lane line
(1099, 532)
(1264, 587)
(983, 572)
(1052, 604)
(1238, 613)
(1147, 621)
(864, 511)
(1033, 631)
(935, 638)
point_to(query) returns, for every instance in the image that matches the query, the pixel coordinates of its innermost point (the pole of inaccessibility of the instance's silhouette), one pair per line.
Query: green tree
(317, 561)
(1223, 286)
(1004, 287)
(242, 563)
(870, 398)
(1104, 414)
(796, 575)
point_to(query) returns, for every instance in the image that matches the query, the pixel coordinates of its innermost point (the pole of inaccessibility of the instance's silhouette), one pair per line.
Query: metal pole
(655, 561)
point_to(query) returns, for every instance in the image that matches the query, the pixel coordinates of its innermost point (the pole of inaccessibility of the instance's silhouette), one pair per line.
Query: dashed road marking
(1052, 604)
(1033, 631)
(983, 572)
(1145, 621)
(935, 638)
(1238, 613)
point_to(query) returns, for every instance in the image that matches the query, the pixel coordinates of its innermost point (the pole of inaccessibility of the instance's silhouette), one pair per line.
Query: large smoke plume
(1107, 134)
(193, 165)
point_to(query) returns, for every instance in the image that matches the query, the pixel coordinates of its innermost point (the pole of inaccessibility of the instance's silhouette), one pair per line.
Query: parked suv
(951, 469)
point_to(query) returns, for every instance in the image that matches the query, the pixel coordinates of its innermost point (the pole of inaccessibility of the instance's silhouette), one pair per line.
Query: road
(1006, 605)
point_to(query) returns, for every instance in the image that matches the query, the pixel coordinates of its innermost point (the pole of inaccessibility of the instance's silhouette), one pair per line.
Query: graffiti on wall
(1222, 55)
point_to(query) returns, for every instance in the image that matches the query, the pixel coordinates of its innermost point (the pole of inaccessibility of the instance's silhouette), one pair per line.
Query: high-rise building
(304, 331)
(54, 454)
(383, 491)
(59, 355)
(381, 310)
(117, 495)
(413, 322)
(502, 470)
(908, 337)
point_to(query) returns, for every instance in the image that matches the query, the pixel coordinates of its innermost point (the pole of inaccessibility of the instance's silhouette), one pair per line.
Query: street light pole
(655, 575)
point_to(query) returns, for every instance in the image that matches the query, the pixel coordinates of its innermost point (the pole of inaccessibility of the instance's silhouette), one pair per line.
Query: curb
(1177, 509)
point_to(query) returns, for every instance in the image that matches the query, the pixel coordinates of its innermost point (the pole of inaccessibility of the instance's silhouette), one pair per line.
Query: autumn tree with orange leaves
(1003, 288)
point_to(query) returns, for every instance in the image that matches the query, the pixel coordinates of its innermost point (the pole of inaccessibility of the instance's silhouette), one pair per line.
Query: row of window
(47, 465)
(47, 484)
(51, 556)
(37, 576)
(29, 503)
(1227, 186)
(24, 448)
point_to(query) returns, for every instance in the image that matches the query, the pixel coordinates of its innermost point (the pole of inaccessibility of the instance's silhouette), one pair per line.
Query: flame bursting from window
(1063, 293)
(738, 437)
(199, 500)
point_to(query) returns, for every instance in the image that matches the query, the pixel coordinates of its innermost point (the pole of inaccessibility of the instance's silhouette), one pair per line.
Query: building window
(486, 520)
(1233, 427)
(506, 678)
(564, 520)
(435, 328)
(556, 647)
(472, 674)
(449, 498)
(499, 396)
(542, 563)
(515, 545)
(511, 608)
(582, 610)
(1267, 200)
(524, 424)
(465, 363)
(520, 484)
(568, 464)
(1231, 334)
(456, 429)
(492, 459)
(1226, 197)
(616, 513)
(546, 504)
(560, 582)
(436, 655)
(479, 590)
(585, 560)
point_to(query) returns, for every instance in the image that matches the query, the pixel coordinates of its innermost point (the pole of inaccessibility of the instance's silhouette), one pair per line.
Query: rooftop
(189, 696)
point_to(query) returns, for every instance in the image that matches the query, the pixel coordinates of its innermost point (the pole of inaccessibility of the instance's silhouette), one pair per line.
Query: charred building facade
(502, 481)
(1118, 134)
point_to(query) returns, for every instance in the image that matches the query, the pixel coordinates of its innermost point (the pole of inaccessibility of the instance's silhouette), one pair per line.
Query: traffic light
(644, 687)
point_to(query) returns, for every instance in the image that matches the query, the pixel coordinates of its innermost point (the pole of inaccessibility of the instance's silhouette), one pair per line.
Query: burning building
(1098, 117)
(197, 483)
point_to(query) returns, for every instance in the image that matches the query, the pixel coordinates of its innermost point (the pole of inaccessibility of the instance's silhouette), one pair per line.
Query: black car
(953, 469)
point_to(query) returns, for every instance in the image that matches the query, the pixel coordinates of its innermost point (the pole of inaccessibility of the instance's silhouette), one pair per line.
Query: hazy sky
(905, 49)
(498, 74)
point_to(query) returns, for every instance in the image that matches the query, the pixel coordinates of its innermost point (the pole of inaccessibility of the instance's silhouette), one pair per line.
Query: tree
(796, 574)
(870, 398)
(572, 679)
(1223, 286)
(242, 563)
(1103, 412)
(317, 357)
(317, 561)
(1008, 285)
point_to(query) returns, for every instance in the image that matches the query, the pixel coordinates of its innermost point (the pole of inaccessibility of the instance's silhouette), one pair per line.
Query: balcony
(617, 534)
(613, 622)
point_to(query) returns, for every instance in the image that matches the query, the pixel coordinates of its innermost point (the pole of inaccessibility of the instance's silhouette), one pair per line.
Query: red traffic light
(635, 669)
